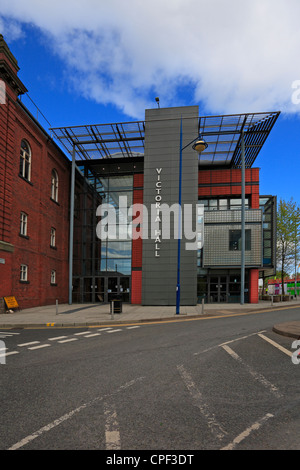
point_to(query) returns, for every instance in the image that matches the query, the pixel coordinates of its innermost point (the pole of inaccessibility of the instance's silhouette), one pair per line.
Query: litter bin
(116, 306)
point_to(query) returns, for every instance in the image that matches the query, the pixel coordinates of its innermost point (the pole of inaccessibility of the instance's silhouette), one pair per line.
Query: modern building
(128, 189)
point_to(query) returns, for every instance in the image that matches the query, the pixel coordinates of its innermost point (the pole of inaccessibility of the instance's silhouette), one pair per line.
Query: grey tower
(161, 184)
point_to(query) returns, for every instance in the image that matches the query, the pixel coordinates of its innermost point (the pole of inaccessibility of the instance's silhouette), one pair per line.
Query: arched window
(54, 185)
(25, 160)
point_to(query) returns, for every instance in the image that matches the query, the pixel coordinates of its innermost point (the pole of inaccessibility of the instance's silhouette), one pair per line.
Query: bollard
(112, 309)
(56, 307)
(202, 306)
(272, 300)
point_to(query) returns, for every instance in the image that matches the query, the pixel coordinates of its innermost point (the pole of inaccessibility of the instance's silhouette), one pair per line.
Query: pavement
(77, 315)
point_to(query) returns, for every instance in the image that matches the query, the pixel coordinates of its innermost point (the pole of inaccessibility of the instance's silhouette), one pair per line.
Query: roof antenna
(157, 101)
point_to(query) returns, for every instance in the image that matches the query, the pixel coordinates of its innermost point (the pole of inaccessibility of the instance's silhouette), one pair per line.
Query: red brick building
(34, 200)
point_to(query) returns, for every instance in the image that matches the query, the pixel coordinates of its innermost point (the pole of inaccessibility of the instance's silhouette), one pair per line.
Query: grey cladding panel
(162, 149)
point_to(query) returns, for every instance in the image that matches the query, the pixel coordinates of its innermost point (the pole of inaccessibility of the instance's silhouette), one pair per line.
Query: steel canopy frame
(223, 136)
(127, 139)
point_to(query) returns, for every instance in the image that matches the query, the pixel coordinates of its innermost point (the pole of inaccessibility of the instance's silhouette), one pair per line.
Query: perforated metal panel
(217, 226)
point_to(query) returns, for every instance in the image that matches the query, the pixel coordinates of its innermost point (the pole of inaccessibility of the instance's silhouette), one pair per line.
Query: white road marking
(105, 329)
(68, 340)
(112, 434)
(56, 338)
(213, 425)
(113, 331)
(28, 344)
(131, 327)
(92, 335)
(9, 353)
(247, 432)
(69, 415)
(40, 346)
(8, 333)
(257, 376)
(227, 342)
(82, 333)
(281, 348)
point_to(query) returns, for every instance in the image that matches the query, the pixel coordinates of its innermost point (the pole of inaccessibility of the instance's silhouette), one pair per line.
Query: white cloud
(236, 55)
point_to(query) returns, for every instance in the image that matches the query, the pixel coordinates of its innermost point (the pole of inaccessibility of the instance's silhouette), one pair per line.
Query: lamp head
(200, 144)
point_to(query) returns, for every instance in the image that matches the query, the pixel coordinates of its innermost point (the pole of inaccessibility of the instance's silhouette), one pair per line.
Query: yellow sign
(11, 302)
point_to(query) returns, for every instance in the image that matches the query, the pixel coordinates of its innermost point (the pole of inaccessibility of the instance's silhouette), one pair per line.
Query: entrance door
(101, 289)
(93, 289)
(218, 289)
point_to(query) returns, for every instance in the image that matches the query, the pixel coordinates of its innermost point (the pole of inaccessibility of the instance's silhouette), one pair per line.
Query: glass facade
(267, 205)
(102, 267)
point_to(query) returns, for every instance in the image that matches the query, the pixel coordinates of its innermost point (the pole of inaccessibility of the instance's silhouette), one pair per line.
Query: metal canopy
(125, 139)
(222, 134)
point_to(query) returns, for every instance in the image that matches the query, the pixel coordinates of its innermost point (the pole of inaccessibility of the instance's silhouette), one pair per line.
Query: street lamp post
(243, 231)
(199, 146)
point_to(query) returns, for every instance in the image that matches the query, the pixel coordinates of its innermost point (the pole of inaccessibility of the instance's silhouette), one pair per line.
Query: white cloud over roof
(234, 55)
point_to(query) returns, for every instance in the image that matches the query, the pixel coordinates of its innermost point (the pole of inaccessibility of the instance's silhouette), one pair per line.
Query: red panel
(137, 196)
(255, 174)
(136, 287)
(253, 287)
(236, 176)
(137, 252)
(204, 192)
(255, 201)
(204, 177)
(138, 180)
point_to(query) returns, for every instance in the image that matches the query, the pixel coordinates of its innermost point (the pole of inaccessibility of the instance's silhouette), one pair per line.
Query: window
(23, 224)
(53, 276)
(236, 204)
(54, 185)
(24, 273)
(235, 240)
(53, 237)
(223, 204)
(25, 160)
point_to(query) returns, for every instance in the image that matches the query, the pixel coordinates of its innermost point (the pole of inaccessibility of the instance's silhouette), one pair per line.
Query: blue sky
(95, 61)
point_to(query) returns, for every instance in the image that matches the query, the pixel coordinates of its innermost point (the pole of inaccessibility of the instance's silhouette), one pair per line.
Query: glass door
(93, 289)
(218, 289)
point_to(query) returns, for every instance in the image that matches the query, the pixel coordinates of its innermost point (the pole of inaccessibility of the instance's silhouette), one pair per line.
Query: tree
(288, 236)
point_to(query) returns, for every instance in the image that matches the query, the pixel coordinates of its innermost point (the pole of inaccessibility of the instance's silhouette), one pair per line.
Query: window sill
(24, 236)
(54, 284)
(25, 179)
(24, 282)
(53, 200)
(53, 247)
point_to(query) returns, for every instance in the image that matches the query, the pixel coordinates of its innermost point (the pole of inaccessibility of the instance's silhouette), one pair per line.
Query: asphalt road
(207, 384)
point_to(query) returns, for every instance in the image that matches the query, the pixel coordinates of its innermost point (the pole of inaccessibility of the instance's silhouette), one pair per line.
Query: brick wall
(32, 197)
